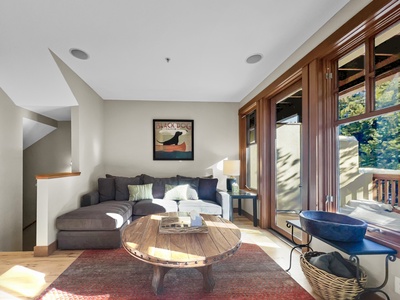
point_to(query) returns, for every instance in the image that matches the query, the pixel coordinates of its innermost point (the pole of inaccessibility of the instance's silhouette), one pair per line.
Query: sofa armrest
(224, 200)
(91, 198)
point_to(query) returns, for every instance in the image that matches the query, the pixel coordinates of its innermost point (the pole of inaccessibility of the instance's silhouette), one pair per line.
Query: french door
(287, 158)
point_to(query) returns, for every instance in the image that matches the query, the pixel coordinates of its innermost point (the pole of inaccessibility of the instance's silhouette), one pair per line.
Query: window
(251, 151)
(387, 64)
(351, 83)
(368, 145)
(369, 160)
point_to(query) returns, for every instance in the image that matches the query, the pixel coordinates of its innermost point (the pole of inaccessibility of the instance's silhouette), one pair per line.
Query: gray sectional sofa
(119, 200)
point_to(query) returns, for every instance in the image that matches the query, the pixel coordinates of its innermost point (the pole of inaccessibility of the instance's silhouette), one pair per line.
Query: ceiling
(128, 41)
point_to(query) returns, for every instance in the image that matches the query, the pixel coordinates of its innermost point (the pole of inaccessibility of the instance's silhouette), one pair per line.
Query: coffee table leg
(208, 279)
(158, 279)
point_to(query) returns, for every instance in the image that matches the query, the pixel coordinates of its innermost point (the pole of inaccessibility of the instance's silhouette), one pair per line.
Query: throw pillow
(193, 182)
(208, 188)
(106, 188)
(192, 194)
(121, 186)
(178, 192)
(140, 192)
(159, 184)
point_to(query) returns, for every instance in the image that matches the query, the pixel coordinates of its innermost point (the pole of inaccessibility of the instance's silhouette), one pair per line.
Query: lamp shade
(231, 167)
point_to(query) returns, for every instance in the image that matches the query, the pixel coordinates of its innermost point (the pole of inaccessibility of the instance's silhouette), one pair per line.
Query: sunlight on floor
(6, 296)
(60, 294)
(24, 281)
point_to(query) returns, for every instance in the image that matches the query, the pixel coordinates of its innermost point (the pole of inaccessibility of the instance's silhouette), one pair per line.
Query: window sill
(387, 238)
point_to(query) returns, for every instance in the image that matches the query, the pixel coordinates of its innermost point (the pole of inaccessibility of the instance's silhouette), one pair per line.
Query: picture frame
(173, 139)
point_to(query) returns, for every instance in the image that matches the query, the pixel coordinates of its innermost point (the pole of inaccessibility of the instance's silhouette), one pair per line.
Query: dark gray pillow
(159, 184)
(193, 182)
(207, 188)
(121, 186)
(106, 188)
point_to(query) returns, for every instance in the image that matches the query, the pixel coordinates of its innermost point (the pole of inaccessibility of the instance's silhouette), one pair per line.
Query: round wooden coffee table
(181, 250)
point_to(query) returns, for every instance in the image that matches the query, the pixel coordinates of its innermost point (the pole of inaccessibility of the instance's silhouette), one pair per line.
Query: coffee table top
(143, 241)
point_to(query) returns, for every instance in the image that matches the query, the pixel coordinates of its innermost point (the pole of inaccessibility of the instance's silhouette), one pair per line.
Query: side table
(243, 194)
(354, 249)
(296, 224)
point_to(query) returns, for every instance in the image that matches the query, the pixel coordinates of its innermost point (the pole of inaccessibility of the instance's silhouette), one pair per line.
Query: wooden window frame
(390, 238)
(312, 68)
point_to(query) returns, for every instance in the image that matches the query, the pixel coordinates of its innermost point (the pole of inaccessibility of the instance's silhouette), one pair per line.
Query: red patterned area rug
(114, 274)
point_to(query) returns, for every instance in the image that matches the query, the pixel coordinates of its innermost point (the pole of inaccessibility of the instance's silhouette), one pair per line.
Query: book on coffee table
(181, 224)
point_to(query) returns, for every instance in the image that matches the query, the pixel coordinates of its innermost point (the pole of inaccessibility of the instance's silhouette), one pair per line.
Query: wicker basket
(329, 286)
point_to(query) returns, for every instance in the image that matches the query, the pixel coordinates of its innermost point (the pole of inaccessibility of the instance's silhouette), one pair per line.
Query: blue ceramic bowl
(332, 226)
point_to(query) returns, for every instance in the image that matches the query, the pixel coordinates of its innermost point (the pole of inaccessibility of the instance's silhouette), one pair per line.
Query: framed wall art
(173, 140)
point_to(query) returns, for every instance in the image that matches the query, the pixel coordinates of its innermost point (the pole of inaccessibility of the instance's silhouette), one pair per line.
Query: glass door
(288, 136)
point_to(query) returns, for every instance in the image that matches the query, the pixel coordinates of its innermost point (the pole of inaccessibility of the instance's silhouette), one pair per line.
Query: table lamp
(231, 168)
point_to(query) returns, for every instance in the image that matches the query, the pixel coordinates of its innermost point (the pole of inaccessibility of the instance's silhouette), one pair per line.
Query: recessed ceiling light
(79, 53)
(255, 58)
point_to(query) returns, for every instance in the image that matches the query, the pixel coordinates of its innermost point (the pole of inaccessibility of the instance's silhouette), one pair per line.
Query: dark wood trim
(369, 115)
(391, 240)
(308, 151)
(57, 175)
(263, 115)
(242, 150)
(44, 251)
(327, 140)
(377, 15)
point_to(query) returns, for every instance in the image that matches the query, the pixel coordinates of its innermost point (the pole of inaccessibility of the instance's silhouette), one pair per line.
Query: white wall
(10, 175)
(128, 134)
(57, 196)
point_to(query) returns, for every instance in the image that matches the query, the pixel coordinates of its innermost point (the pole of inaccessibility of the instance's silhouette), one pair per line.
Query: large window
(368, 144)
(251, 151)
(351, 84)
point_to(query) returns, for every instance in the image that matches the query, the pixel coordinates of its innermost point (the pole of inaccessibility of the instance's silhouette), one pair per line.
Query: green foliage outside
(379, 137)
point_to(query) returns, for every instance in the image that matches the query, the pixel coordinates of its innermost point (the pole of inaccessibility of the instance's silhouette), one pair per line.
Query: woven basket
(329, 286)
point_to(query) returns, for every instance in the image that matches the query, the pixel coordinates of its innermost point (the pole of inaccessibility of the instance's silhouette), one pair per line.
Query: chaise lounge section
(119, 200)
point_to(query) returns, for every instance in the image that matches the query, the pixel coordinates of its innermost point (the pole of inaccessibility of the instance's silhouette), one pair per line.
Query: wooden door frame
(290, 89)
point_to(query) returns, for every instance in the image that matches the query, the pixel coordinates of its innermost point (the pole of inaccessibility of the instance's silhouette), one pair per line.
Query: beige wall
(51, 154)
(10, 175)
(128, 134)
(57, 196)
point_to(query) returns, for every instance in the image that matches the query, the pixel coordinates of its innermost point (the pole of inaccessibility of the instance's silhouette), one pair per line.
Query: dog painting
(173, 140)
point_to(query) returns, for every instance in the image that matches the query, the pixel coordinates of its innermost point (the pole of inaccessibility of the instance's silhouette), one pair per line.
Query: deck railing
(386, 188)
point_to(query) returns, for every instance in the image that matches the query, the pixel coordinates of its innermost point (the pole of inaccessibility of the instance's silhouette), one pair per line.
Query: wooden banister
(29, 225)
(57, 175)
(386, 186)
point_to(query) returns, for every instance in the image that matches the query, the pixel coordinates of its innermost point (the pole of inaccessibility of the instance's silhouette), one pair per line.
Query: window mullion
(369, 75)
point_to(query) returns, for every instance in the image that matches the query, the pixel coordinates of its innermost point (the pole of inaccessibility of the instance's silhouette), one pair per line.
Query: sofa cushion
(193, 182)
(201, 206)
(140, 192)
(109, 215)
(159, 184)
(106, 187)
(208, 188)
(176, 192)
(154, 206)
(193, 190)
(121, 186)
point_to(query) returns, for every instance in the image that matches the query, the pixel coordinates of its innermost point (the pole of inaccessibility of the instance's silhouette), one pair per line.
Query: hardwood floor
(23, 276)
